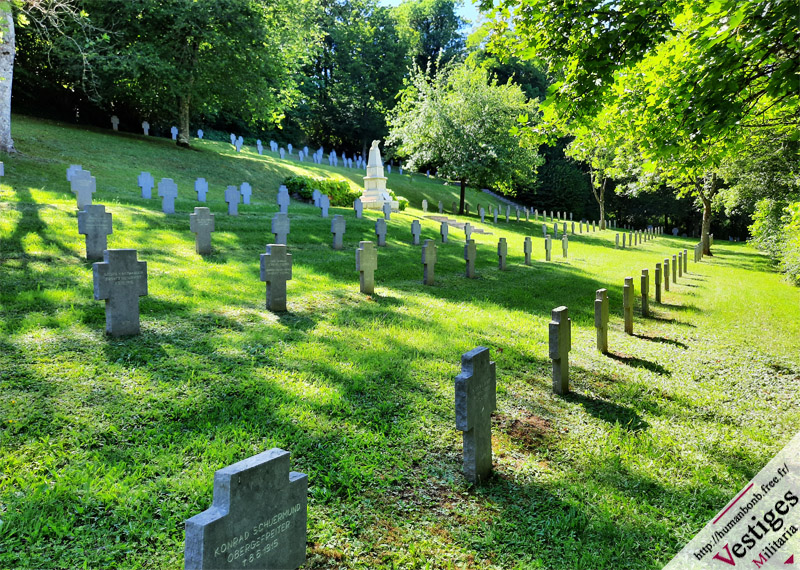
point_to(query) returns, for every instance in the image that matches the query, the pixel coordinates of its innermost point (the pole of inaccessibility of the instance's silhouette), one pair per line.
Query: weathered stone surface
(95, 223)
(201, 223)
(502, 253)
(528, 249)
(232, 198)
(276, 270)
(601, 319)
(560, 345)
(429, 256)
(627, 304)
(468, 230)
(324, 204)
(201, 188)
(645, 292)
(358, 207)
(666, 274)
(443, 231)
(146, 183)
(120, 280)
(685, 261)
(425, 206)
(380, 231)
(564, 245)
(482, 213)
(416, 231)
(168, 191)
(258, 518)
(83, 185)
(475, 400)
(470, 253)
(280, 227)
(658, 282)
(366, 264)
(338, 227)
(548, 247)
(246, 191)
(387, 210)
(283, 199)
(680, 264)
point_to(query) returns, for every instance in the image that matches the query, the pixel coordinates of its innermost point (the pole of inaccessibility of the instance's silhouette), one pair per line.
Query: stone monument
(375, 194)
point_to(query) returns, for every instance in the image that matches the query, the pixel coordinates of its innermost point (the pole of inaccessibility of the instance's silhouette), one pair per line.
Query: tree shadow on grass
(662, 339)
(635, 362)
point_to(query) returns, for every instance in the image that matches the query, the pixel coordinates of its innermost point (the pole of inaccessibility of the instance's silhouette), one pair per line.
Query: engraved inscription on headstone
(120, 280)
(276, 270)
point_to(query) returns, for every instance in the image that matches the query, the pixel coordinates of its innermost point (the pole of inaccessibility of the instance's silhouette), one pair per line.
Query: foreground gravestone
(146, 183)
(359, 208)
(168, 191)
(564, 245)
(366, 264)
(416, 230)
(95, 223)
(428, 261)
(380, 231)
(658, 282)
(280, 227)
(548, 247)
(201, 187)
(443, 231)
(645, 292)
(283, 199)
(425, 206)
(502, 253)
(627, 304)
(83, 185)
(120, 280)
(257, 519)
(470, 253)
(276, 270)
(232, 198)
(601, 319)
(201, 224)
(527, 248)
(246, 191)
(324, 204)
(560, 345)
(146, 128)
(338, 227)
(475, 400)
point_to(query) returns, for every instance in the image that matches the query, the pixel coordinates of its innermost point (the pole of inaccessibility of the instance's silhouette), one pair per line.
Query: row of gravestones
(259, 513)
(635, 237)
(168, 190)
(146, 128)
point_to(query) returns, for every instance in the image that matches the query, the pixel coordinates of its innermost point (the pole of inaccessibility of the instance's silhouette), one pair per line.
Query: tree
(432, 30)
(467, 125)
(7, 52)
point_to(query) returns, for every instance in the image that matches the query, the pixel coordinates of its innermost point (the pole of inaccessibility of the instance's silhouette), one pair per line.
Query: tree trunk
(600, 197)
(463, 197)
(183, 122)
(707, 190)
(7, 52)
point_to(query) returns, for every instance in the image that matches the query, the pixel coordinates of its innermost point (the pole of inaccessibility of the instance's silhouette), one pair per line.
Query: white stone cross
(146, 183)
(416, 230)
(232, 198)
(283, 199)
(168, 191)
(246, 191)
(201, 187)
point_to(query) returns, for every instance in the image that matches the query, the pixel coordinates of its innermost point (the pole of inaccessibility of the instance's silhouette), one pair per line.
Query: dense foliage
(338, 190)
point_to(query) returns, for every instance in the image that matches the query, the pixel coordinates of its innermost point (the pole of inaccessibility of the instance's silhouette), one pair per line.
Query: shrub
(776, 230)
(403, 203)
(338, 190)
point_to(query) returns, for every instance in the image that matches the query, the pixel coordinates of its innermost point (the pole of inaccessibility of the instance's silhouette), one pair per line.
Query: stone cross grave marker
(517, 213)
(508, 212)
(658, 282)
(674, 268)
(564, 245)
(666, 274)
(246, 191)
(502, 253)
(120, 280)
(72, 169)
(338, 227)
(83, 185)
(380, 231)
(482, 214)
(601, 319)
(201, 224)
(454, 208)
(627, 304)
(564, 228)
(283, 199)
(168, 191)
(201, 187)
(527, 248)
(324, 204)
(289, 147)
(428, 261)
(468, 230)
(680, 264)
(366, 264)
(470, 253)
(359, 208)
(280, 227)
(560, 345)
(548, 246)
(174, 132)
(425, 206)
(573, 227)
(95, 223)
(466, 208)
(645, 292)
(441, 207)
(146, 128)
(387, 210)
(232, 198)
(238, 144)
(115, 122)
(685, 261)
(257, 519)
(527, 215)
(443, 230)
(616, 241)
(476, 399)
(276, 270)
(260, 147)
(494, 213)
(233, 139)
(544, 230)
(146, 183)
(416, 230)
(200, 134)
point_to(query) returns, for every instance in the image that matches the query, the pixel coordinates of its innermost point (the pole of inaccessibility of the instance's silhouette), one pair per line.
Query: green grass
(108, 445)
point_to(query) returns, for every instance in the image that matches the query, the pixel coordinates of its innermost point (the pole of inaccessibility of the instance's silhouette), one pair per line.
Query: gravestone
(674, 268)
(482, 214)
(475, 400)
(83, 185)
(627, 304)
(675, 231)
(315, 196)
(645, 292)
(201, 223)
(201, 187)
(168, 191)
(658, 282)
(280, 227)
(200, 134)
(685, 261)
(548, 246)
(416, 230)
(115, 122)
(470, 253)
(441, 207)
(233, 139)
(616, 241)
(680, 264)
(120, 280)
(494, 212)
(338, 227)
(239, 144)
(601, 319)
(174, 132)
(564, 245)
(387, 210)
(289, 147)
(359, 208)
(276, 270)
(146, 183)
(95, 223)
(502, 253)
(528, 249)
(146, 128)
(246, 191)
(517, 213)
(443, 231)
(666, 274)
(573, 227)
(454, 208)
(258, 517)
(324, 204)
(564, 228)
(232, 198)
(508, 212)
(380, 231)
(555, 230)
(560, 345)
(544, 230)
(283, 199)
(366, 264)
(428, 261)
(282, 152)
(425, 206)
(466, 209)
(260, 147)
(468, 230)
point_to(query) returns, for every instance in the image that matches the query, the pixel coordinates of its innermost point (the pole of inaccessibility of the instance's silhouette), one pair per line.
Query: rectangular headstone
(475, 400)
(666, 274)
(560, 344)
(528, 249)
(119, 280)
(658, 282)
(645, 292)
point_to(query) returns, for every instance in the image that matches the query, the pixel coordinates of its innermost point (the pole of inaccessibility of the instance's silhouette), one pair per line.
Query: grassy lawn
(107, 445)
